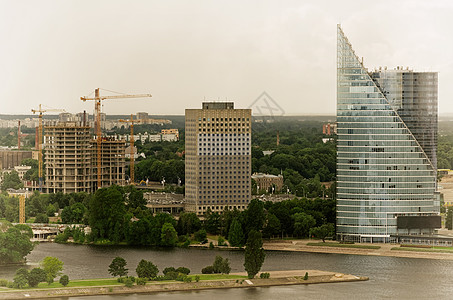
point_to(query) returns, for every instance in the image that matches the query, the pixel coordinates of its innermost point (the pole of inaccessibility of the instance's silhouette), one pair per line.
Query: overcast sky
(184, 52)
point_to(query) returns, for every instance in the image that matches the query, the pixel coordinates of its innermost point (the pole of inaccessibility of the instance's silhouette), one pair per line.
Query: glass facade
(382, 169)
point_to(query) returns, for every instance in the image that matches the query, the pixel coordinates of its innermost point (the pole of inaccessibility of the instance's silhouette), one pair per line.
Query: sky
(186, 52)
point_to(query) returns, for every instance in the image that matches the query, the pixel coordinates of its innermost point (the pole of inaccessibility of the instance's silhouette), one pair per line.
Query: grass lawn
(332, 244)
(217, 276)
(113, 281)
(434, 249)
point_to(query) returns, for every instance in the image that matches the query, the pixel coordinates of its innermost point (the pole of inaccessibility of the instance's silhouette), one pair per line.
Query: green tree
(254, 216)
(53, 267)
(41, 218)
(14, 245)
(449, 219)
(221, 265)
(146, 269)
(134, 197)
(118, 267)
(12, 181)
(254, 253)
(21, 278)
(188, 223)
(272, 226)
(168, 236)
(64, 280)
(236, 234)
(107, 214)
(302, 224)
(323, 231)
(36, 276)
(212, 222)
(201, 235)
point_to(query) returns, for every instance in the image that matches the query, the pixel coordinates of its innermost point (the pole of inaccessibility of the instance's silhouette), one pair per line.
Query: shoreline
(385, 250)
(278, 278)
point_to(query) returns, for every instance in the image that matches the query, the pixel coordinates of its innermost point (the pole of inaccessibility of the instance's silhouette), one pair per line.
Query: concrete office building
(386, 150)
(218, 157)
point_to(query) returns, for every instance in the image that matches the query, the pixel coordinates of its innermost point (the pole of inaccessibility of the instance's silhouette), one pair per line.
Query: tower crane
(97, 108)
(41, 111)
(131, 140)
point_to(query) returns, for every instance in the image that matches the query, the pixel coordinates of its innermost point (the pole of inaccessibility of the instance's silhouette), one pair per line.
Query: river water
(390, 277)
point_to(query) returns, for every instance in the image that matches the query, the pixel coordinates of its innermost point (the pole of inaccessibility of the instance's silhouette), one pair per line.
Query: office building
(218, 157)
(386, 150)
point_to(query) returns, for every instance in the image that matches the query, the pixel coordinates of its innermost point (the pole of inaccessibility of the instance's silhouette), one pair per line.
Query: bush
(183, 270)
(141, 281)
(146, 269)
(208, 270)
(64, 280)
(160, 278)
(181, 277)
(306, 276)
(3, 282)
(36, 276)
(221, 241)
(211, 245)
(197, 278)
(187, 279)
(221, 265)
(132, 278)
(121, 279)
(168, 269)
(172, 275)
(265, 275)
(10, 285)
(128, 282)
(62, 238)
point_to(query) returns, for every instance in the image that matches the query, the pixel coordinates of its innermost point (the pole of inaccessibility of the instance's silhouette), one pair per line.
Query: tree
(21, 278)
(236, 234)
(146, 269)
(254, 216)
(107, 212)
(41, 218)
(201, 235)
(302, 224)
(449, 219)
(188, 223)
(221, 265)
(53, 267)
(168, 236)
(272, 226)
(254, 253)
(323, 231)
(212, 222)
(11, 180)
(64, 280)
(15, 244)
(36, 276)
(118, 267)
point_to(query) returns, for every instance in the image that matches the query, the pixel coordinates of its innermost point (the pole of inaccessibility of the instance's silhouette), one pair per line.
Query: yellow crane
(131, 140)
(97, 109)
(41, 111)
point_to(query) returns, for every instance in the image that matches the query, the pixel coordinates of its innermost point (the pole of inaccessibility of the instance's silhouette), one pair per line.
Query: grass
(433, 249)
(331, 244)
(113, 281)
(217, 276)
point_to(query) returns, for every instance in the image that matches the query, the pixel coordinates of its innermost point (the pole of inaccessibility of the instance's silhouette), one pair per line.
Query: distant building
(21, 170)
(218, 157)
(329, 128)
(128, 152)
(267, 181)
(12, 158)
(171, 132)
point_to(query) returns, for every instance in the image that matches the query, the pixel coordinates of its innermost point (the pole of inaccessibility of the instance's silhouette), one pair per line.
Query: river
(390, 277)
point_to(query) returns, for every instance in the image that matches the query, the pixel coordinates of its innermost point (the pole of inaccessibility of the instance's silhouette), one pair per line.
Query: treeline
(118, 215)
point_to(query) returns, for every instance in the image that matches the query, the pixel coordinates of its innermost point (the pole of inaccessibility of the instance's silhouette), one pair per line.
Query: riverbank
(384, 249)
(277, 278)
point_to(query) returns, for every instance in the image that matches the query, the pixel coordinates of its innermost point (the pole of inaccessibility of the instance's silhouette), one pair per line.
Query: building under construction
(71, 159)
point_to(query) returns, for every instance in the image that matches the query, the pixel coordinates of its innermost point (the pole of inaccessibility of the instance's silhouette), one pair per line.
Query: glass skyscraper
(386, 147)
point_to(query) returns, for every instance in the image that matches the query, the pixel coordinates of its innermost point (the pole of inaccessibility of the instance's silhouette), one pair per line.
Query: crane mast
(40, 163)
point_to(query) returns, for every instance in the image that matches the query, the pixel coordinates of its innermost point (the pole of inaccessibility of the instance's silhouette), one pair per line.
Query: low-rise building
(268, 181)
